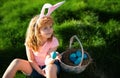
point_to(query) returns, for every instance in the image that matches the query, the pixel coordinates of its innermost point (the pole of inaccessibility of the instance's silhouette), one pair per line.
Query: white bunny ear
(47, 5)
(52, 8)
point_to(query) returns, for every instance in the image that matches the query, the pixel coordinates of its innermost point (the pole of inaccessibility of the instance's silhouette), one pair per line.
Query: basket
(69, 66)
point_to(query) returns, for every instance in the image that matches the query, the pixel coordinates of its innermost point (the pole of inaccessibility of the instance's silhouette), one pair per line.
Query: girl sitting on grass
(40, 42)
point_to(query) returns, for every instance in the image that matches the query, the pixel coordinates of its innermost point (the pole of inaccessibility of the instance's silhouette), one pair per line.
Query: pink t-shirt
(40, 55)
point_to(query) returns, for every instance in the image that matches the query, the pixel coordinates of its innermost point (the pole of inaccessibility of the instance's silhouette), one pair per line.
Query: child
(40, 42)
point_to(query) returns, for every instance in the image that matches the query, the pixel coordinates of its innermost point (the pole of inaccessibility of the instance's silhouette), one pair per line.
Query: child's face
(46, 31)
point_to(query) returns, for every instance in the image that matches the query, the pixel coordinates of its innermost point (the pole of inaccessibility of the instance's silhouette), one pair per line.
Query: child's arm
(50, 60)
(32, 61)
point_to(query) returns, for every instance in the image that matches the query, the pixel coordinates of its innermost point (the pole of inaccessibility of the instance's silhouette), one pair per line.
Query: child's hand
(49, 61)
(58, 56)
(43, 72)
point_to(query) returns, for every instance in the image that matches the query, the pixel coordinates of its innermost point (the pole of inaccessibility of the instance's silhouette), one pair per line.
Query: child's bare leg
(51, 71)
(17, 64)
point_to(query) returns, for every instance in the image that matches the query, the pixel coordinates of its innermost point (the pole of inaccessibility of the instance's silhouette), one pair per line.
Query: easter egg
(77, 61)
(73, 57)
(78, 53)
(85, 56)
(53, 55)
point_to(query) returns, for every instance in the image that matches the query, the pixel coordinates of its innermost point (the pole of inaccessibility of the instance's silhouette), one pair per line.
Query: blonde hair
(33, 37)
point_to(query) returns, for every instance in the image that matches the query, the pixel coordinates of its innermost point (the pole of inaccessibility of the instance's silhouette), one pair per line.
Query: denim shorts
(35, 74)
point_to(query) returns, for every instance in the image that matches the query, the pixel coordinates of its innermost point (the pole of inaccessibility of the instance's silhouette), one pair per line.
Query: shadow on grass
(105, 63)
(6, 56)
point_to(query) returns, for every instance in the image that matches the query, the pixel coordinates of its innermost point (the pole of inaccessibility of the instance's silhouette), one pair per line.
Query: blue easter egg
(53, 55)
(85, 56)
(73, 57)
(78, 61)
(78, 53)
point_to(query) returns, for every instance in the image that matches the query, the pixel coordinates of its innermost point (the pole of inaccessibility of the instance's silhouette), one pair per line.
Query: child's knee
(16, 61)
(51, 68)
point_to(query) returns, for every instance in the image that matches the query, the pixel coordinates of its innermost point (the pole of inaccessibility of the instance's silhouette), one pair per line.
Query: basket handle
(71, 41)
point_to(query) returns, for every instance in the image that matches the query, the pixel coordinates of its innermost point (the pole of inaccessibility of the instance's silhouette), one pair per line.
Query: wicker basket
(69, 66)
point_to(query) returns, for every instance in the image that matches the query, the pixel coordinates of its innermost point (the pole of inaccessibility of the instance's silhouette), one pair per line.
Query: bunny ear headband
(50, 7)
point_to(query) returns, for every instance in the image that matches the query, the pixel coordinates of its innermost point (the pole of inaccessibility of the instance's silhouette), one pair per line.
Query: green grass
(20, 75)
(95, 22)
